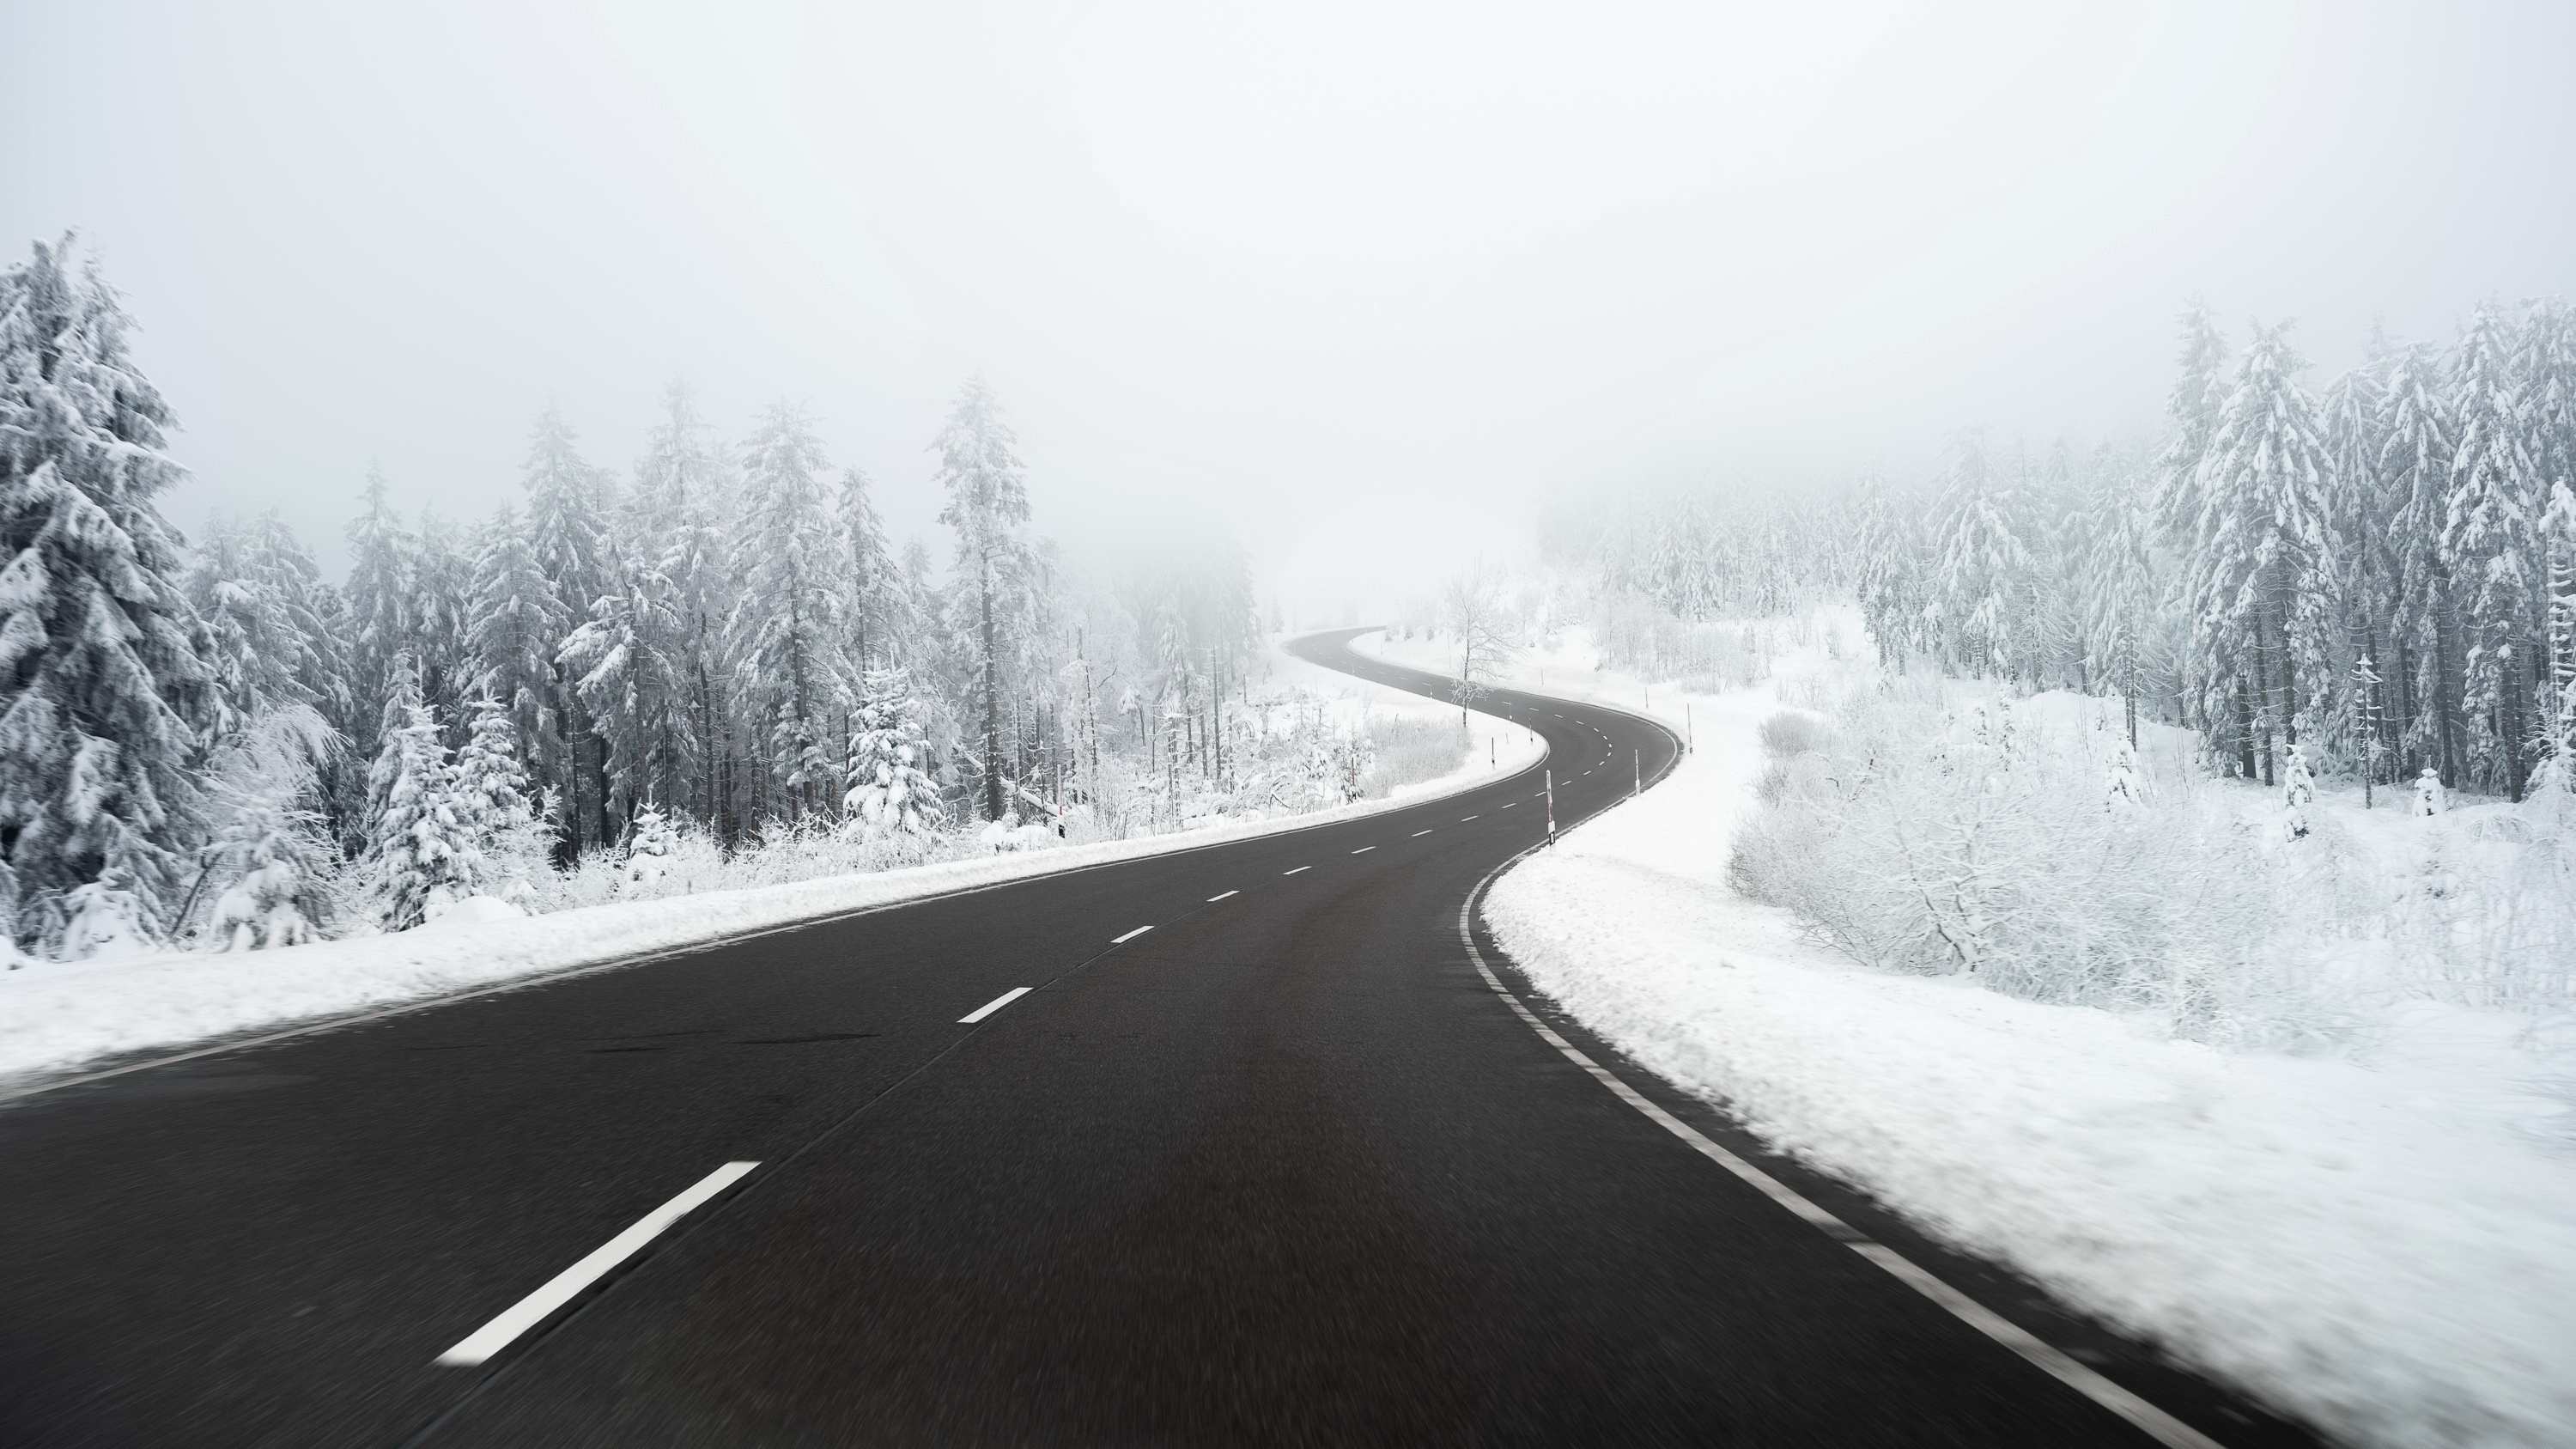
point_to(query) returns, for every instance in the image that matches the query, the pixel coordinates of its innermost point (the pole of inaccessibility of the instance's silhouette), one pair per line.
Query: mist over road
(1233, 1144)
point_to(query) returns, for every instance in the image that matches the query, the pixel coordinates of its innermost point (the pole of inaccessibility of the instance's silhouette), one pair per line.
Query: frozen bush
(1913, 841)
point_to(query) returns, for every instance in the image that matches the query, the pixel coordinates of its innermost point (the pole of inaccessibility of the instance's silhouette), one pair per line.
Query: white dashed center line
(994, 1005)
(1363, 850)
(1293, 872)
(1131, 935)
(525, 1314)
(1463, 819)
(1420, 833)
(1212, 900)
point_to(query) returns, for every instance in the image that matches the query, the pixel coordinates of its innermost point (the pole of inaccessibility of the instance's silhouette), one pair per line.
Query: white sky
(1363, 281)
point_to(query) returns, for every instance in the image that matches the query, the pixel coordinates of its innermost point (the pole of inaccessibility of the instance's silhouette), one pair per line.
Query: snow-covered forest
(717, 669)
(2378, 576)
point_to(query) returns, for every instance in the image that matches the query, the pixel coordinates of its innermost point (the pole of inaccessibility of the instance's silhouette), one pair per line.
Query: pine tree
(567, 532)
(442, 615)
(682, 475)
(490, 790)
(891, 792)
(987, 503)
(629, 679)
(517, 624)
(377, 605)
(873, 580)
(105, 698)
(2491, 540)
(650, 844)
(2298, 792)
(2421, 432)
(2193, 408)
(269, 867)
(2262, 634)
(255, 588)
(421, 855)
(790, 638)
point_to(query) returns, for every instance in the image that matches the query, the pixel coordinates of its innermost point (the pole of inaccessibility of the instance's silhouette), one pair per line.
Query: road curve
(1258, 1156)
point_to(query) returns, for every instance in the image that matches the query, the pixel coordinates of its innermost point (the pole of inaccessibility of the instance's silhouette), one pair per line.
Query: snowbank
(57, 1016)
(2388, 1250)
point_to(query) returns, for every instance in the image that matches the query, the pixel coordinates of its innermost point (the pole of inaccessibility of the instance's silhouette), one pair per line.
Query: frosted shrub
(2488, 917)
(1915, 842)
(1407, 752)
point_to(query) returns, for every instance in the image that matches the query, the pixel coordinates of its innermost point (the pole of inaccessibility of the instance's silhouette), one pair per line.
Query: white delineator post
(1551, 809)
(1637, 772)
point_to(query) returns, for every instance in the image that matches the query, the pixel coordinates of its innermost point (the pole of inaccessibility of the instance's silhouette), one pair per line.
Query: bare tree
(1476, 606)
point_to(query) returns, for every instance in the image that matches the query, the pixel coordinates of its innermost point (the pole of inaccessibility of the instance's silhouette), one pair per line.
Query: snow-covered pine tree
(2121, 789)
(421, 855)
(2199, 393)
(987, 503)
(2298, 792)
(105, 698)
(257, 603)
(2359, 521)
(873, 579)
(2421, 439)
(678, 483)
(442, 615)
(2548, 367)
(2262, 636)
(2491, 539)
(892, 795)
(628, 675)
(2122, 591)
(1982, 567)
(568, 507)
(650, 845)
(269, 869)
(490, 787)
(790, 640)
(518, 624)
(377, 608)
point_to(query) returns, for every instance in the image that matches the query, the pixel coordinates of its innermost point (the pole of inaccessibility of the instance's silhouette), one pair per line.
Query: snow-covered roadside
(54, 1017)
(2386, 1250)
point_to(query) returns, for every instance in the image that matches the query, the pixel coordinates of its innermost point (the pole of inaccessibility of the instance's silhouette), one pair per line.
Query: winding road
(1236, 1144)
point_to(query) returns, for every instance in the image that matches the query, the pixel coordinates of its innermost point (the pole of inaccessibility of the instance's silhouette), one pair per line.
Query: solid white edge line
(1293, 872)
(1131, 935)
(528, 1312)
(994, 1005)
(2164, 1428)
(1212, 900)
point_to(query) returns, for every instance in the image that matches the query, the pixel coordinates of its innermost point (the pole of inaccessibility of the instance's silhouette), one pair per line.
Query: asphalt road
(1284, 1168)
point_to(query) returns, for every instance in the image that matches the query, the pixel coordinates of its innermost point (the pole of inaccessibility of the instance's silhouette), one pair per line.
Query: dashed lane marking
(994, 1005)
(1131, 935)
(1420, 833)
(1212, 900)
(565, 1286)
(1363, 850)
(1293, 872)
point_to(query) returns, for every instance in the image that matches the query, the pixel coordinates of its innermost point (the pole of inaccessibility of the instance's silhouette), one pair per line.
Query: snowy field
(2377, 1233)
(54, 1017)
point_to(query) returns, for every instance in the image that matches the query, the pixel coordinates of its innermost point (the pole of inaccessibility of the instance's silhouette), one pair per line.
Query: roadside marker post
(1551, 809)
(1636, 772)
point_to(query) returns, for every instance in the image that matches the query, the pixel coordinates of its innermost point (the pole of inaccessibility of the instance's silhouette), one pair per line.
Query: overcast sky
(1361, 282)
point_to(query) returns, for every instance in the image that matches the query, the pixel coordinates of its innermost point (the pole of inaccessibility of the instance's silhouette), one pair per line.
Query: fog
(1361, 284)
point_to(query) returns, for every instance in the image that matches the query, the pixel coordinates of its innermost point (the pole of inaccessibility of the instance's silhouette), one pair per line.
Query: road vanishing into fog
(1257, 1155)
